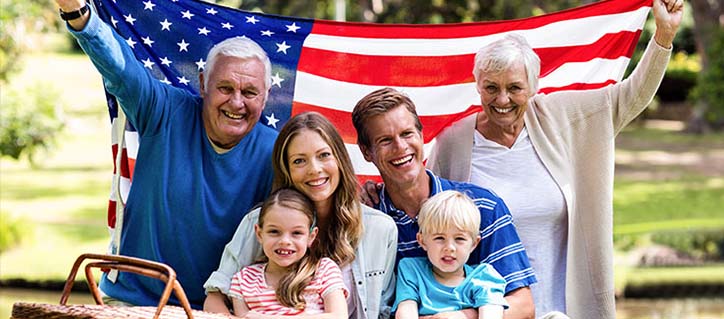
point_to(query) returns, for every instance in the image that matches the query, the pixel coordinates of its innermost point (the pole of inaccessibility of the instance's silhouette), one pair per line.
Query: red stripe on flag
(577, 87)
(426, 71)
(127, 164)
(342, 120)
(462, 30)
(610, 46)
(112, 214)
(410, 71)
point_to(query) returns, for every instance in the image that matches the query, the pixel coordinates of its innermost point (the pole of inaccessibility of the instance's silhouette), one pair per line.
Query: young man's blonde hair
(449, 209)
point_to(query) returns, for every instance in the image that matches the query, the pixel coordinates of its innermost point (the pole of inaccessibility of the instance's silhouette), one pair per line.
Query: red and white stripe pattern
(250, 284)
(580, 48)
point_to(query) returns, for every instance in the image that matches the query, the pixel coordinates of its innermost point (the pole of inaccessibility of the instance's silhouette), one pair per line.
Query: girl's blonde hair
(340, 240)
(292, 284)
(449, 209)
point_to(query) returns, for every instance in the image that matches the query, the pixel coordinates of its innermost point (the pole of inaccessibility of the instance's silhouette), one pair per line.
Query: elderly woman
(550, 157)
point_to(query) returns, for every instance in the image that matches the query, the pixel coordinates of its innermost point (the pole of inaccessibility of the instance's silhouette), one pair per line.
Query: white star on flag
(147, 63)
(130, 19)
(251, 19)
(271, 121)
(148, 5)
(204, 31)
(114, 21)
(227, 25)
(267, 33)
(183, 46)
(131, 43)
(165, 25)
(165, 61)
(183, 80)
(211, 11)
(277, 80)
(200, 64)
(166, 81)
(282, 47)
(147, 41)
(187, 14)
(292, 27)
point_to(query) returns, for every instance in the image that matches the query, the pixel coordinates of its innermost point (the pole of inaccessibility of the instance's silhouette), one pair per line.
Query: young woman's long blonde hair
(340, 240)
(292, 284)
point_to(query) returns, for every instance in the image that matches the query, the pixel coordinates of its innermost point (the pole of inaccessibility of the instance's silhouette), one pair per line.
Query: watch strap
(66, 16)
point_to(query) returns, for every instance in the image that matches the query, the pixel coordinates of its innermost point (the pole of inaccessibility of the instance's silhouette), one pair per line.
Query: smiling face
(504, 95)
(313, 167)
(284, 236)
(395, 147)
(234, 96)
(448, 251)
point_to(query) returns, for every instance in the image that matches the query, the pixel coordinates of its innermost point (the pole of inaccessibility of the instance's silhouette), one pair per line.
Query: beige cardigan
(573, 133)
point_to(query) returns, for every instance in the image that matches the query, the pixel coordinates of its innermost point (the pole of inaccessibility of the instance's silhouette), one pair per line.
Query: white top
(353, 298)
(536, 202)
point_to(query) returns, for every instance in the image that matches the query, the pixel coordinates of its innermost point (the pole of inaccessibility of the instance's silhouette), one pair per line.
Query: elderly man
(202, 161)
(389, 134)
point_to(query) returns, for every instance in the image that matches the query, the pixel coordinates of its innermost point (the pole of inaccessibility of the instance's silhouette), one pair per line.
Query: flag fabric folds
(327, 66)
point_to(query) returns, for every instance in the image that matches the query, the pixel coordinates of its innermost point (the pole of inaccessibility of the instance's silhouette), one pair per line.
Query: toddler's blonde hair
(449, 209)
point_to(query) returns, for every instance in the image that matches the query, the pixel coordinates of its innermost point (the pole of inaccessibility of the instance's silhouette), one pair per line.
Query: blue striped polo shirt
(500, 245)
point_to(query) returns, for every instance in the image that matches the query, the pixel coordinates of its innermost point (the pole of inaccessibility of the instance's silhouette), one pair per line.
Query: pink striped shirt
(250, 285)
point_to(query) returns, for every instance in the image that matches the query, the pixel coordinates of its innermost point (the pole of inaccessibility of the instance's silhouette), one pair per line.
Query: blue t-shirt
(500, 245)
(186, 200)
(416, 281)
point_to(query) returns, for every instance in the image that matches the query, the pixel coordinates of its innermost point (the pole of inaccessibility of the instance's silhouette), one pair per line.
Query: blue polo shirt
(500, 245)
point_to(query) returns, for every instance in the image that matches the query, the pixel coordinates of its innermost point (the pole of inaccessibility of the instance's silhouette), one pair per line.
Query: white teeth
(402, 160)
(317, 182)
(284, 252)
(232, 115)
(503, 111)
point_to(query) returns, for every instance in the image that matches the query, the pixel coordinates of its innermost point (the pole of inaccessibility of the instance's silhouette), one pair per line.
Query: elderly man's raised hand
(667, 14)
(74, 5)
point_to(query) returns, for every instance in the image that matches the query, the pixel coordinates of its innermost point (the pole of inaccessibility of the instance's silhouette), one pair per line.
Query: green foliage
(11, 231)
(706, 244)
(30, 121)
(680, 77)
(710, 86)
(16, 19)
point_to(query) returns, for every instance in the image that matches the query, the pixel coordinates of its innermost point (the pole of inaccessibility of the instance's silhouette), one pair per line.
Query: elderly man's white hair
(500, 55)
(239, 47)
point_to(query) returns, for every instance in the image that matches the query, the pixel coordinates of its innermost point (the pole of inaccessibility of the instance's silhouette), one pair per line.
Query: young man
(389, 134)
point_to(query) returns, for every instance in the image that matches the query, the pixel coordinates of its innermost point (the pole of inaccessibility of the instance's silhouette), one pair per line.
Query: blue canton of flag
(172, 39)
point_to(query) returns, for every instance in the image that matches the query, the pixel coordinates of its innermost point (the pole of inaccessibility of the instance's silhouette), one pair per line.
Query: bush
(701, 244)
(11, 231)
(680, 77)
(30, 121)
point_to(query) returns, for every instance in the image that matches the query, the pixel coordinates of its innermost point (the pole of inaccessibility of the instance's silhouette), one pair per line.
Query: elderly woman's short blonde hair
(501, 54)
(449, 210)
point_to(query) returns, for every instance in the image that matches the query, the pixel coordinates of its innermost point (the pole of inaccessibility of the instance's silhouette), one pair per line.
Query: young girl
(310, 156)
(292, 281)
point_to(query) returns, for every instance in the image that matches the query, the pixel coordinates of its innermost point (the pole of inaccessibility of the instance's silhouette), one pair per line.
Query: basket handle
(128, 264)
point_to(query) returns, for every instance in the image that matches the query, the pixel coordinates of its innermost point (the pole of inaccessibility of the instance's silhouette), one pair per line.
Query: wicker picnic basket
(23, 310)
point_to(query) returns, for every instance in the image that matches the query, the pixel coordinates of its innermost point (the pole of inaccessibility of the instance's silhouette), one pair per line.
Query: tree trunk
(707, 15)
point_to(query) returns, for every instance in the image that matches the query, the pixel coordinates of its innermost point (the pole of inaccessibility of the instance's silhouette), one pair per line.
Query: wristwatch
(66, 16)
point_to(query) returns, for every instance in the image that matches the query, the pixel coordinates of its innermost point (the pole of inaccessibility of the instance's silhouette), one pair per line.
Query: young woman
(310, 155)
(292, 281)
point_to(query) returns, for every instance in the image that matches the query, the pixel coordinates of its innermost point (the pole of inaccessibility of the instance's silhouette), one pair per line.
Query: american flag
(327, 66)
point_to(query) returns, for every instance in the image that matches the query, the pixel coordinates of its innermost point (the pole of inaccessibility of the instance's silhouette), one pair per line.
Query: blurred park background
(55, 168)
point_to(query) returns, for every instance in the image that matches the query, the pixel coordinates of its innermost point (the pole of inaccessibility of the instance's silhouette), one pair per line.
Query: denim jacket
(372, 268)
